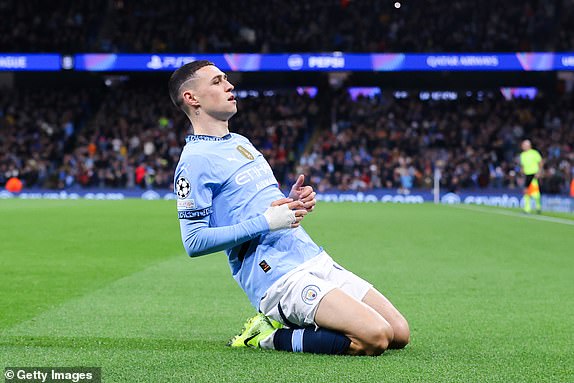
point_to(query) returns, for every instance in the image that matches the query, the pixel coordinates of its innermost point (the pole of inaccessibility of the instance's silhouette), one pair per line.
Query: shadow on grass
(151, 344)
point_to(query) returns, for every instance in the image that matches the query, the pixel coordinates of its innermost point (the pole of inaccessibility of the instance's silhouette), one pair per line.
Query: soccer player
(228, 199)
(531, 164)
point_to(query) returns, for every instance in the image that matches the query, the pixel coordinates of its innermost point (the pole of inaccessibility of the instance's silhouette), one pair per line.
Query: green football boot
(276, 325)
(254, 330)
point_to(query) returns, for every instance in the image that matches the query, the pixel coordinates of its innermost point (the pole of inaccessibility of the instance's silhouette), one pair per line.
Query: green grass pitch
(489, 297)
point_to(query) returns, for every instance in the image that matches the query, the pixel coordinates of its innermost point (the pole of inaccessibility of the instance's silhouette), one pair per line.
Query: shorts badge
(310, 293)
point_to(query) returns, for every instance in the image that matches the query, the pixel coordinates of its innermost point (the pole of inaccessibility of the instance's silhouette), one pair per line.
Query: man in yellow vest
(531, 164)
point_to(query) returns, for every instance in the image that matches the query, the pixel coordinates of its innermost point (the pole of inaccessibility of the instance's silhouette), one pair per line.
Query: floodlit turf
(107, 283)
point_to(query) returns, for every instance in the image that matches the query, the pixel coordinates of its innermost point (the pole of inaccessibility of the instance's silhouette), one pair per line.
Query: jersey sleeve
(193, 186)
(200, 239)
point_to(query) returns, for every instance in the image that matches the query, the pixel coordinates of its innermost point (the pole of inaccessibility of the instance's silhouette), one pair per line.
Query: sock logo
(310, 293)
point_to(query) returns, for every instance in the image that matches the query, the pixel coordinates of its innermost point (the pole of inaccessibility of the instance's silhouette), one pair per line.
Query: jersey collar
(202, 137)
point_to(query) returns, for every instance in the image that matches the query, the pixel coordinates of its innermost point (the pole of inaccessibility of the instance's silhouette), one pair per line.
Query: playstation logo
(155, 62)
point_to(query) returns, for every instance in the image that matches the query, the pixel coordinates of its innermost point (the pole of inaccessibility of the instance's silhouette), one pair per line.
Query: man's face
(213, 94)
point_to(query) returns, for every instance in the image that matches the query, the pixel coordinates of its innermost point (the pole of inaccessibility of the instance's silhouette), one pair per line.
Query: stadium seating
(396, 143)
(55, 26)
(329, 25)
(130, 137)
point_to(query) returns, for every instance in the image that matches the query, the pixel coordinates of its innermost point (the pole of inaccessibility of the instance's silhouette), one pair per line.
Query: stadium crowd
(56, 26)
(130, 137)
(308, 26)
(327, 25)
(36, 128)
(397, 143)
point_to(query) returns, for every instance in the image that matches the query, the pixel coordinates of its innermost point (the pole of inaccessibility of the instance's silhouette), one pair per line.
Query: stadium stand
(134, 138)
(131, 136)
(59, 140)
(396, 143)
(312, 26)
(331, 25)
(38, 133)
(54, 26)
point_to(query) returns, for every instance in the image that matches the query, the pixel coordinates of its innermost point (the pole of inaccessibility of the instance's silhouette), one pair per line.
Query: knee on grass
(401, 334)
(377, 342)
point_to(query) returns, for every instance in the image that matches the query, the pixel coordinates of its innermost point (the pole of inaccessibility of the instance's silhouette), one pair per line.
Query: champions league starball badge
(182, 188)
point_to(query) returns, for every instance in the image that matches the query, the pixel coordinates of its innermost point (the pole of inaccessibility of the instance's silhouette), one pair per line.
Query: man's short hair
(180, 76)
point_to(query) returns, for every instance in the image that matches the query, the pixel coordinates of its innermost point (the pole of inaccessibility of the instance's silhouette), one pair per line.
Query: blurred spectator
(14, 185)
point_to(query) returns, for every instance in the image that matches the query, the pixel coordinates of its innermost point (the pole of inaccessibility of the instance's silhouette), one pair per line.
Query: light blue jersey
(224, 185)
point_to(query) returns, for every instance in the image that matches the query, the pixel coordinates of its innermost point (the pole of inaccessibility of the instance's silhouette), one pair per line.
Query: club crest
(310, 293)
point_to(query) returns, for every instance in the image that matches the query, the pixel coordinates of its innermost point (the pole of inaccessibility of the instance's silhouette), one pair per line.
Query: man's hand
(304, 194)
(284, 214)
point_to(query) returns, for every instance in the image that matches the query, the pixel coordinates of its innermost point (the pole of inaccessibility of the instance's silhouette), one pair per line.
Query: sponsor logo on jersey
(264, 266)
(185, 204)
(256, 172)
(245, 153)
(310, 293)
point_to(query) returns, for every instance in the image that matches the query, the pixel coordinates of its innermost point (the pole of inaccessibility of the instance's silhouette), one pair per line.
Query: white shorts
(293, 299)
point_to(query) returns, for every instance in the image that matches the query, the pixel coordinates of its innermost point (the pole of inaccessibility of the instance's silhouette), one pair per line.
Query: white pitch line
(517, 215)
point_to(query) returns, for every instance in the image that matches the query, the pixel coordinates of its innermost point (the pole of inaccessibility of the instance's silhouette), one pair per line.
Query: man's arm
(200, 239)
(540, 168)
